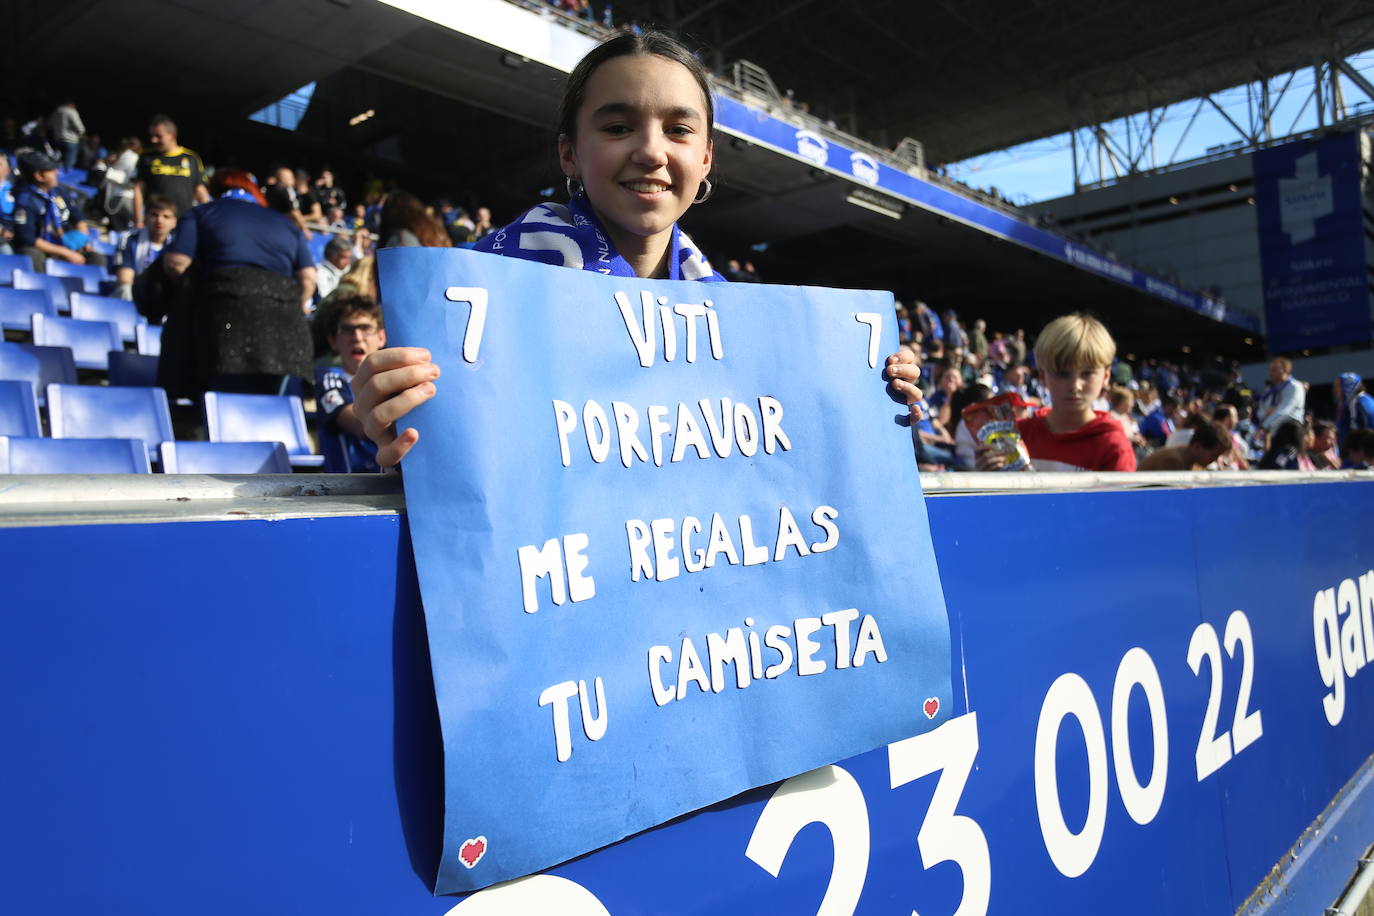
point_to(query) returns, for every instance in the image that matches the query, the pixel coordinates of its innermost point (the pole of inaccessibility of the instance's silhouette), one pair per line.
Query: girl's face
(642, 148)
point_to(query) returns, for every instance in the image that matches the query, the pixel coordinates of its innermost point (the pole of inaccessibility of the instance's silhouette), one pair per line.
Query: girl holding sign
(634, 142)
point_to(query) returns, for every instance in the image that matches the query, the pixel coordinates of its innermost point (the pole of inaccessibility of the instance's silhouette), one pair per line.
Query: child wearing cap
(1074, 356)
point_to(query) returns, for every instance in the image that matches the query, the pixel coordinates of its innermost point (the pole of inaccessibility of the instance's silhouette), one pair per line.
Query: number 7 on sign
(476, 297)
(875, 333)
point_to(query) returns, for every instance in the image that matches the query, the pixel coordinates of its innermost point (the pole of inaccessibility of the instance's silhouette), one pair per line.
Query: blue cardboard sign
(1310, 212)
(671, 546)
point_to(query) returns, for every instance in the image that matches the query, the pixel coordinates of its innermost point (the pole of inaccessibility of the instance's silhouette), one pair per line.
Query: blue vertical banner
(1310, 213)
(671, 546)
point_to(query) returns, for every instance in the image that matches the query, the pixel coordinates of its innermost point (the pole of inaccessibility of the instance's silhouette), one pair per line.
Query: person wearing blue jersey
(1354, 406)
(243, 327)
(41, 215)
(355, 331)
(634, 144)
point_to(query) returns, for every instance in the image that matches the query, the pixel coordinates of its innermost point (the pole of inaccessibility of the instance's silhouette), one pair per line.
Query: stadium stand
(89, 341)
(255, 417)
(224, 458)
(25, 455)
(98, 412)
(18, 306)
(19, 410)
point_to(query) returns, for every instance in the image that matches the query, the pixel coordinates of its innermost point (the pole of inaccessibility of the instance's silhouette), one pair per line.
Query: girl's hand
(389, 384)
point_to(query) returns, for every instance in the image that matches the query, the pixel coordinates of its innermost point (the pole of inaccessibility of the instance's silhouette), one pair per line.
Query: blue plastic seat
(17, 307)
(20, 455)
(9, 263)
(317, 243)
(224, 458)
(108, 249)
(90, 275)
(97, 412)
(59, 289)
(148, 339)
(19, 410)
(259, 417)
(90, 341)
(132, 369)
(39, 366)
(122, 312)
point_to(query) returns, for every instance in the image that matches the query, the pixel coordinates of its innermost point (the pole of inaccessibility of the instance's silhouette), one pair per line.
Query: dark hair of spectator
(964, 397)
(158, 202)
(1288, 437)
(161, 120)
(1323, 426)
(403, 210)
(1225, 412)
(1210, 434)
(646, 43)
(130, 143)
(1360, 440)
(353, 304)
(235, 178)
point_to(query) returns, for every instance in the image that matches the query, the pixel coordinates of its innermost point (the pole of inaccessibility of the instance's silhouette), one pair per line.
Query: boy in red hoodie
(1074, 355)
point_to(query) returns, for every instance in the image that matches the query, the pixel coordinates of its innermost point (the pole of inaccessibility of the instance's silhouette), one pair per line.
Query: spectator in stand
(406, 224)
(1166, 378)
(1146, 399)
(142, 247)
(1358, 451)
(356, 330)
(1323, 453)
(1018, 348)
(1229, 417)
(978, 341)
(751, 273)
(1158, 425)
(929, 323)
(951, 379)
(1354, 406)
(954, 331)
(482, 227)
(1285, 452)
(41, 215)
(998, 351)
(168, 170)
(903, 321)
(1074, 355)
(6, 204)
(117, 187)
(65, 129)
(307, 201)
(1210, 440)
(244, 327)
(90, 153)
(329, 195)
(338, 254)
(965, 447)
(1122, 402)
(956, 359)
(280, 194)
(1284, 400)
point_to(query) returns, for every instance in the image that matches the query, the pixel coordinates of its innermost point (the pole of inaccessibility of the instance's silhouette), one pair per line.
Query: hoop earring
(703, 196)
(574, 186)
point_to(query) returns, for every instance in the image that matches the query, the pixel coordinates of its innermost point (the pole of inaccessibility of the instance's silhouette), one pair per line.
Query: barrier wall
(217, 700)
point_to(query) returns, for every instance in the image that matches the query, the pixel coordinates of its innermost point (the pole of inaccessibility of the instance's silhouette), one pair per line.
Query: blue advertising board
(866, 170)
(663, 560)
(1150, 708)
(1310, 210)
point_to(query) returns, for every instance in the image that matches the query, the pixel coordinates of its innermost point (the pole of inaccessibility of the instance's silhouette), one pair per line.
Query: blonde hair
(1073, 343)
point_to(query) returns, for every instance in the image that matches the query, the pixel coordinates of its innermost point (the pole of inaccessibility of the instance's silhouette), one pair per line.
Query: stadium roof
(965, 77)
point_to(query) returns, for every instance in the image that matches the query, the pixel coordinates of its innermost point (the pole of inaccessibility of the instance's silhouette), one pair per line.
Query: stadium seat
(132, 369)
(59, 289)
(90, 341)
(148, 339)
(18, 410)
(122, 312)
(96, 412)
(17, 307)
(9, 263)
(90, 275)
(21, 455)
(39, 366)
(258, 417)
(108, 249)
(317, 244)
(225, 458)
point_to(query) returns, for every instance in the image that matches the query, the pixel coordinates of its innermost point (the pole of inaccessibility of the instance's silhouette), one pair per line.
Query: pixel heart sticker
(471, 852)
(931, 707)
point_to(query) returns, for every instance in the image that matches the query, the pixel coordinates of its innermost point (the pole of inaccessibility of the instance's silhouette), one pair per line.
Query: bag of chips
(992, 424)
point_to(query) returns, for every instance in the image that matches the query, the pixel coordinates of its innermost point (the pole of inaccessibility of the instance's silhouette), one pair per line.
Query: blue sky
(1043, 169)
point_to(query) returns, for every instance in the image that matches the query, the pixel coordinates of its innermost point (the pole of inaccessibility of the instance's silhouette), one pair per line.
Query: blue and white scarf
(570, 235)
